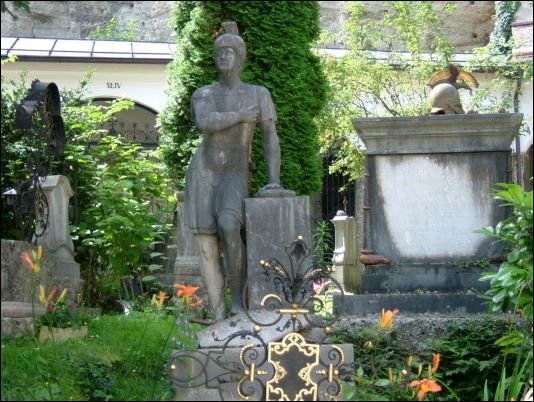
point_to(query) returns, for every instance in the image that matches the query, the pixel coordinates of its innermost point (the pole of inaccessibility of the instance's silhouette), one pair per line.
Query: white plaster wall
(421, 223)
(146, 84)
(143, 83)
(526, 103)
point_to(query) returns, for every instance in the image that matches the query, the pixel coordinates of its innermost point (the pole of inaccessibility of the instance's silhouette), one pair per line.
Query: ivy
(278, 36)
(502, 32)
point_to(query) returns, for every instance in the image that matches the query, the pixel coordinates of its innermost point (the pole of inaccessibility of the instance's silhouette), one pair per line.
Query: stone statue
(217, 180)
(444, 97)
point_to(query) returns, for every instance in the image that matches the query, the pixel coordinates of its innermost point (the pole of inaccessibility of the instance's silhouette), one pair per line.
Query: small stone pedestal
(346, 252)
(56, 237)
(272, 224)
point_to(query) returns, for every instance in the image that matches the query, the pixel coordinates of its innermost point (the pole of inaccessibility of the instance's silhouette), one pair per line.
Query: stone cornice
(438, 134)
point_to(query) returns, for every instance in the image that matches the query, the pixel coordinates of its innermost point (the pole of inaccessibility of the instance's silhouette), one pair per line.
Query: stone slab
(19, 275)
(426, 208)
(411, 303)
(411, 277)
(272, 224)
(20, 310)
(223, 329)
(14, 326)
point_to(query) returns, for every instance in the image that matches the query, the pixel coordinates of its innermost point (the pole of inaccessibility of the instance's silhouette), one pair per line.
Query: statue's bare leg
(234, 257)
(212, 272)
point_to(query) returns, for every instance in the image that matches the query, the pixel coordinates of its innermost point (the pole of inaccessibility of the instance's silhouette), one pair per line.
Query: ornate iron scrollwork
(292, 369)
(295, 297)
(39, 115)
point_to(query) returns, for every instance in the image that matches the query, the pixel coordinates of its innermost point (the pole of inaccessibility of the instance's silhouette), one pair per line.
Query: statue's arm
(208, 120)
(271, 149)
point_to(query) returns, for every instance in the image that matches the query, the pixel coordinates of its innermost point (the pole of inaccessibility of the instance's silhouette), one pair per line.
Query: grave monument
(427, 190)
(273, 297)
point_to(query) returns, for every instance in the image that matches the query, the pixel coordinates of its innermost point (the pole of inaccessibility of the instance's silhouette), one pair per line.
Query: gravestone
(56, 235)
(427, 192)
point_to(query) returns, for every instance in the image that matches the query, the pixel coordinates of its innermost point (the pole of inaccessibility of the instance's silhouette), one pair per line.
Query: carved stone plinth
(272, 224)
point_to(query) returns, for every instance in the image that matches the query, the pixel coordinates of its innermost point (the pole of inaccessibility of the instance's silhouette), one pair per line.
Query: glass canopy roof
(71, 48)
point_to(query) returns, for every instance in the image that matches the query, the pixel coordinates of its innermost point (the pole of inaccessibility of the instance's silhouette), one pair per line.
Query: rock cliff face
(470, 27)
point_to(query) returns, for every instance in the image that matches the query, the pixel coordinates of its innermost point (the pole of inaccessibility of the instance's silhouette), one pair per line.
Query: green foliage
(384, 368)
(126, 215)
(502, 32)
(16, 4)
(323, 242)
(469, 356)
(122, 203)
(511, 286)
(511, 289)
(278, 36)
(112, 32)
(511, 388)
(123, 358)
(471, 264)
(364, 86)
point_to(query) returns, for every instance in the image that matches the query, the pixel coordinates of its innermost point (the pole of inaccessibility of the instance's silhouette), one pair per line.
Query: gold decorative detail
(257, 329)
(310, 359)
(294, 311)
(327, 330)
(270, 296)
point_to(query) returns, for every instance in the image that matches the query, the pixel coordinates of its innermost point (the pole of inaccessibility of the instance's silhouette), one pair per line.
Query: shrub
(278, 36)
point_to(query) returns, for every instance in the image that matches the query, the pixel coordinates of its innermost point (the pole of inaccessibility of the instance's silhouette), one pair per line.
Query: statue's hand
(249, 114)
(274, 190)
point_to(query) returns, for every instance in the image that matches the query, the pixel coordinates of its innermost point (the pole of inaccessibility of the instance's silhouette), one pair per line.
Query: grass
(122, 358)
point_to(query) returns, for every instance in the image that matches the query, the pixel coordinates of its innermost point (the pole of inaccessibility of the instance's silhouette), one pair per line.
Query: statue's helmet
(444, 99)
(231, 39)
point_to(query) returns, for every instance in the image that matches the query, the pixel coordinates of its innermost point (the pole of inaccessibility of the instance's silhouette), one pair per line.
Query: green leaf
(382, 382)
(148, 278)
(154, 267)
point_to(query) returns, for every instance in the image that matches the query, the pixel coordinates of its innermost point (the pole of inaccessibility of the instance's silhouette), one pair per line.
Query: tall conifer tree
(279, 36)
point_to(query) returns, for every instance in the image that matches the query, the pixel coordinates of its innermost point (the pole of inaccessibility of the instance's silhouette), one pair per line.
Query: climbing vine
(500, 37)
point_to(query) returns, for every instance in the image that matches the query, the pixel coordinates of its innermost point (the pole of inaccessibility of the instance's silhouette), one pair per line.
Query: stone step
(20, 310)
(417, 332)
(408, 277)
(443, 303)
(17, 317)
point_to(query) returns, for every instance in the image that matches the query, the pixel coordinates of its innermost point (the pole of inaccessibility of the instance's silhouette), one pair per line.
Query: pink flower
(319, 285)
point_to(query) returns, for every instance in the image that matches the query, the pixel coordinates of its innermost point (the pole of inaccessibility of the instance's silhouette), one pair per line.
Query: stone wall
(470, 27)
(17, 277)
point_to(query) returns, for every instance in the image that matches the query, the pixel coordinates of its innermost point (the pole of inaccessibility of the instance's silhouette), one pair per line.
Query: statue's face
(225, 58)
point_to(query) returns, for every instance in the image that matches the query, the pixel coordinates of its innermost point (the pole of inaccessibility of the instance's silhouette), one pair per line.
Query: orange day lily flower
(386, 320)
(425, 385)
(161, 299)
(435, 363)
(35, 264)
(42, 297)
(51, 295)
(26, 257)
(185, 291)
(195, 304)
